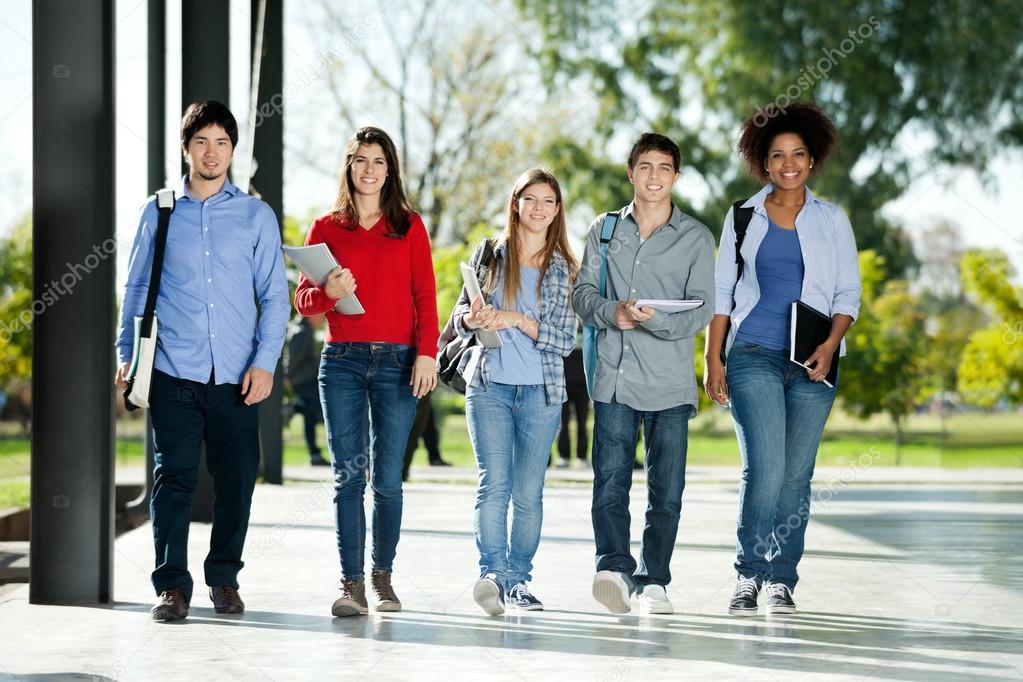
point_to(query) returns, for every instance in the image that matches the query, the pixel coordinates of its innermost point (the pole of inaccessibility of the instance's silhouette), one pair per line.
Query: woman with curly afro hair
(796, 247)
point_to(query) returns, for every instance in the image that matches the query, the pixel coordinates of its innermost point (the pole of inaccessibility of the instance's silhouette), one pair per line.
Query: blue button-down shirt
(831, 275)
(223, 258)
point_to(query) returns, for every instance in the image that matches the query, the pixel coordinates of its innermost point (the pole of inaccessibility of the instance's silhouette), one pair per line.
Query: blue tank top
(518, 361)
(780, 275)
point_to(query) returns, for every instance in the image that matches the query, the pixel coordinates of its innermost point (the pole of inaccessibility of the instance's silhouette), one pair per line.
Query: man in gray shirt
(644, 373)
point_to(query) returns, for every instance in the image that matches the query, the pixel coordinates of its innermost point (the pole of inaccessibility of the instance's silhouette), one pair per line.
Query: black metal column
(73, 323)
(268, 182)
(205, 74)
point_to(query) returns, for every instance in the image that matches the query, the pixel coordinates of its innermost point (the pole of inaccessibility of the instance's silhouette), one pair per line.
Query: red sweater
(394, 282)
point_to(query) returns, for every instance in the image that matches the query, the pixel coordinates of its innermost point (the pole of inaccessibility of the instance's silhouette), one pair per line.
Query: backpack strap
(165, 205)
(486, 249)
(607, 231)
(740, 221)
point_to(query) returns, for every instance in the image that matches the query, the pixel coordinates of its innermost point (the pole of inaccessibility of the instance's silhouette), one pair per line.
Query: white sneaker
(653, 599)
(612, 590)
(488, 594)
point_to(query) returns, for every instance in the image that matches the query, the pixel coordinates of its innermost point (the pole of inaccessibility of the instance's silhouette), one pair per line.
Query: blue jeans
(350, 375)
(779, 415)
(185, 414)
(512, 429)
(665, 438)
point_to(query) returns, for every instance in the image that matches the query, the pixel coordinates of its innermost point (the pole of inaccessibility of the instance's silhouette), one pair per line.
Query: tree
(951, 316)
(16, 306)
(886, 366)
(992, 361)
(694, 70)
(448, 82)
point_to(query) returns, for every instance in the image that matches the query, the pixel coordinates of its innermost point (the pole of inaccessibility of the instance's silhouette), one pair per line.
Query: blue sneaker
(488, 594)
(520, 597)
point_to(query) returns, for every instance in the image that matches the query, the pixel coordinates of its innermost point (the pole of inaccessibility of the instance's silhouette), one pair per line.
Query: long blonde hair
(556, 240)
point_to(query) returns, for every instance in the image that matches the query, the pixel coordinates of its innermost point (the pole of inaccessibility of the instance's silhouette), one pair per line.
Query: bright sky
(986, 215)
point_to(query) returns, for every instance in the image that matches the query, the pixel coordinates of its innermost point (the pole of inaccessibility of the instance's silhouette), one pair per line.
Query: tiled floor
(900, 581)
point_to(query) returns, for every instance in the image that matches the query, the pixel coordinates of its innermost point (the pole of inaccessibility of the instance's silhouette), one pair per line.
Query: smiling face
(368, 169)
(653, 176)
(537, 206)
(788, 161)
(209, 152)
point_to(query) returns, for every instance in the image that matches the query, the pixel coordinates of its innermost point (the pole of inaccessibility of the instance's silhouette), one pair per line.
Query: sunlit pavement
(902, 580)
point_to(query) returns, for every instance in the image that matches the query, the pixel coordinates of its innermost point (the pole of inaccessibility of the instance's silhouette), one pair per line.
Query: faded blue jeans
(512, 429)
(779, 415)
(665, 438)
(350, 375)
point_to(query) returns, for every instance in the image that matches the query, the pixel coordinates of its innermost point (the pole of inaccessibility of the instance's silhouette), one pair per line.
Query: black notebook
(808, 329)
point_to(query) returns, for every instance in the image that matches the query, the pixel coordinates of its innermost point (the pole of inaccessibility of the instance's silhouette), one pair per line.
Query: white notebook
(316, 262)
(669, 305)
(472, 287)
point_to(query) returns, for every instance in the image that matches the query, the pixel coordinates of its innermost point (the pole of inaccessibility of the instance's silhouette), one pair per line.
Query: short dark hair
(658, 143)
(198, 115)
(802, 118)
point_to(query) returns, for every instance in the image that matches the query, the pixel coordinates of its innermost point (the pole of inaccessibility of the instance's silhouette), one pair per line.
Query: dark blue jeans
(665, 438)
(185, 413)
(779, 415)
(350, 375)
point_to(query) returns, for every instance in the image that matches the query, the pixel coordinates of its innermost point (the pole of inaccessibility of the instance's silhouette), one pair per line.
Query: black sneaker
(744, 599)
(779, 599)
(520, 597)
(488, 594)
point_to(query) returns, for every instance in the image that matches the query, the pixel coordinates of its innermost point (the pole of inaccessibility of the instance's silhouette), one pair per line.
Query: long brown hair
(393, 204)
(556, 240)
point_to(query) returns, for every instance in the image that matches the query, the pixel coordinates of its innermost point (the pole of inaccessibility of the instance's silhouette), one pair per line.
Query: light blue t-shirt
(518, 361)
(780, 274)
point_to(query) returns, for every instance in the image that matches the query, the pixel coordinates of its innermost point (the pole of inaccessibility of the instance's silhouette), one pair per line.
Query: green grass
(13, 494)
(971, 441)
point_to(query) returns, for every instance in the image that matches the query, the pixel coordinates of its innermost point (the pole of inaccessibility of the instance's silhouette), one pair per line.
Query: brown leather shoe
(387, 600)
(226, 600)
(172, 606)
(352, 601)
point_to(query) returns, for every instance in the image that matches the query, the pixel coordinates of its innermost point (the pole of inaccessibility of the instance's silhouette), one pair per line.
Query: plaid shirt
(554, 341)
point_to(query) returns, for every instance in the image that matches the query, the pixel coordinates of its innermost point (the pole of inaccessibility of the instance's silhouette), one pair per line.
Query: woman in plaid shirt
(514, 392)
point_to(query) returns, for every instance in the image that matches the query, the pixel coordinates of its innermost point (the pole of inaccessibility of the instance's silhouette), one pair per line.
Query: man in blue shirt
(215, 357)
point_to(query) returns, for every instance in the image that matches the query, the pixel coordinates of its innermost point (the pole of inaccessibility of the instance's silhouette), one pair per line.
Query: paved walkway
(901, 582)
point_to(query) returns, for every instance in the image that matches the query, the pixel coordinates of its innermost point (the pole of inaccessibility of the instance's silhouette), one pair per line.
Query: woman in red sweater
(383, 357)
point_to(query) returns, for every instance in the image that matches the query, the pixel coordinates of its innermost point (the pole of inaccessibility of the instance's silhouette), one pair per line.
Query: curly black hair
(801, 118)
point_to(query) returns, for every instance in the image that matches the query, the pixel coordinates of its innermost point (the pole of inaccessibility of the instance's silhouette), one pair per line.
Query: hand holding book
(810, 332)
(818, 365)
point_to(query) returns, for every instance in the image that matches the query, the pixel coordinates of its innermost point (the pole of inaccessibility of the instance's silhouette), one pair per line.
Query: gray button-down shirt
(649, 368)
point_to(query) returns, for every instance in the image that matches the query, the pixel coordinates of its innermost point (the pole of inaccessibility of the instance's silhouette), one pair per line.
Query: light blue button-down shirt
(223, 259)
(831, 276)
